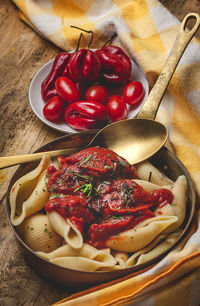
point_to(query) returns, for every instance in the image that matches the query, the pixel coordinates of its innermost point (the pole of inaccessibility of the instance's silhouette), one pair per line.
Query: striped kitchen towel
(146, 31)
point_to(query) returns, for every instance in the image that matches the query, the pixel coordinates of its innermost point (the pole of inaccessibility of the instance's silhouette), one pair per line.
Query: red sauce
(50, 170)
(78, 222)
(69, 206)
(163, 196)
(100, 195)
(95, 163)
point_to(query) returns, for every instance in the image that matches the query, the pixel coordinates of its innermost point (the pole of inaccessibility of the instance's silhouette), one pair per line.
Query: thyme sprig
(85, 160)
(86, 188)
(126, 194)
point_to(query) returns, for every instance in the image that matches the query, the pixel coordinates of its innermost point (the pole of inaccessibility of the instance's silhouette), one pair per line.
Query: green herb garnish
(86, 188)
(53, 188)
(86, 160)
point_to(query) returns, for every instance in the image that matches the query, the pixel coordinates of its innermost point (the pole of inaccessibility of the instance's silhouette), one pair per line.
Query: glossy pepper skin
(67, 89)
(84, 66)
(47, 89)
(85, 115)
(50, 93)
(116, 65)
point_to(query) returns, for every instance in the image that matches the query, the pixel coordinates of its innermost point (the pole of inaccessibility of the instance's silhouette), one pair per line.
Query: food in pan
(93, 211)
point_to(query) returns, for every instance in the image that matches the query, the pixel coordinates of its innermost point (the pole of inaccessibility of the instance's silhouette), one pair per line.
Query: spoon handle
(151, 105)
(8, 161)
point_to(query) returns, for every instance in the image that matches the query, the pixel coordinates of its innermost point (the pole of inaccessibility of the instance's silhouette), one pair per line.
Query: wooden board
(22, 53)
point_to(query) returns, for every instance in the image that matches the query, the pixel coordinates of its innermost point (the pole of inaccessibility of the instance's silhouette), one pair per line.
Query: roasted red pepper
(116, 224)
(84, 66)
(109, 227)
(70, 206)
(84, 115)
(116, 65)
(59, 64)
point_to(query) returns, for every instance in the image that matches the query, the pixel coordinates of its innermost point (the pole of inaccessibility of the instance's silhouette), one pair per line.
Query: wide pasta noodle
(66, 229)
(154, 249)
(85, 251)
(132, 260)
(146, 171)
(29, 193)
(87, 258)
(121, 258)
(38, 233)
(179, 204)
(148, 186)
(165, 210)
(158, 249)
(138, 237)
(73, 236)
(80, 263)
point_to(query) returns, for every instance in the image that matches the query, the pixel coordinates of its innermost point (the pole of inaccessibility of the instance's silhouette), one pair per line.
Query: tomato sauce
(99, 194)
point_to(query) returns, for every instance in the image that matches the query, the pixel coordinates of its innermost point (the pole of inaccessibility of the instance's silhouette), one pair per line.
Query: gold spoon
(134, 139)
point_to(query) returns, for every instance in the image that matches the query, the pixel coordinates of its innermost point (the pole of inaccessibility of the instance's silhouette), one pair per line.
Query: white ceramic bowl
(37, 103)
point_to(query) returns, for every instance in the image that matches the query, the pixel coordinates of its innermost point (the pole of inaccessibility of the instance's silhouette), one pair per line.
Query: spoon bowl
(134, 139)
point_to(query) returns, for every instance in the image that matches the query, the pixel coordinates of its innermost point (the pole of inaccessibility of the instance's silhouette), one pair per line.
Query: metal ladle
(139, 138)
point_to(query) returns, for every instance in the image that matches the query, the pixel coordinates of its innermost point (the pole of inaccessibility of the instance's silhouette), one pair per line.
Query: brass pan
(163, 159)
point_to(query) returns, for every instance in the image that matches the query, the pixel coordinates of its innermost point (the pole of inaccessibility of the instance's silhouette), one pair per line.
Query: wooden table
(22, 53)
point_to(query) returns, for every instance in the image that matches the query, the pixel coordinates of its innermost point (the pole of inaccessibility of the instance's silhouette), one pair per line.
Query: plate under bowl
(164, 160)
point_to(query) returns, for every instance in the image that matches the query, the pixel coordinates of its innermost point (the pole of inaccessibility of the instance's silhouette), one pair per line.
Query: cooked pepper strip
(109, 227)
(116, 224)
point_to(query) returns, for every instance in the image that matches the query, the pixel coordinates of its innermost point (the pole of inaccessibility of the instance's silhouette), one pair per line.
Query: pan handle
(151, 105)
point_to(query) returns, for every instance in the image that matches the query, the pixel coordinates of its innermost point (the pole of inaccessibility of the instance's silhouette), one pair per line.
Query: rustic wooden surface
(22, 53)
